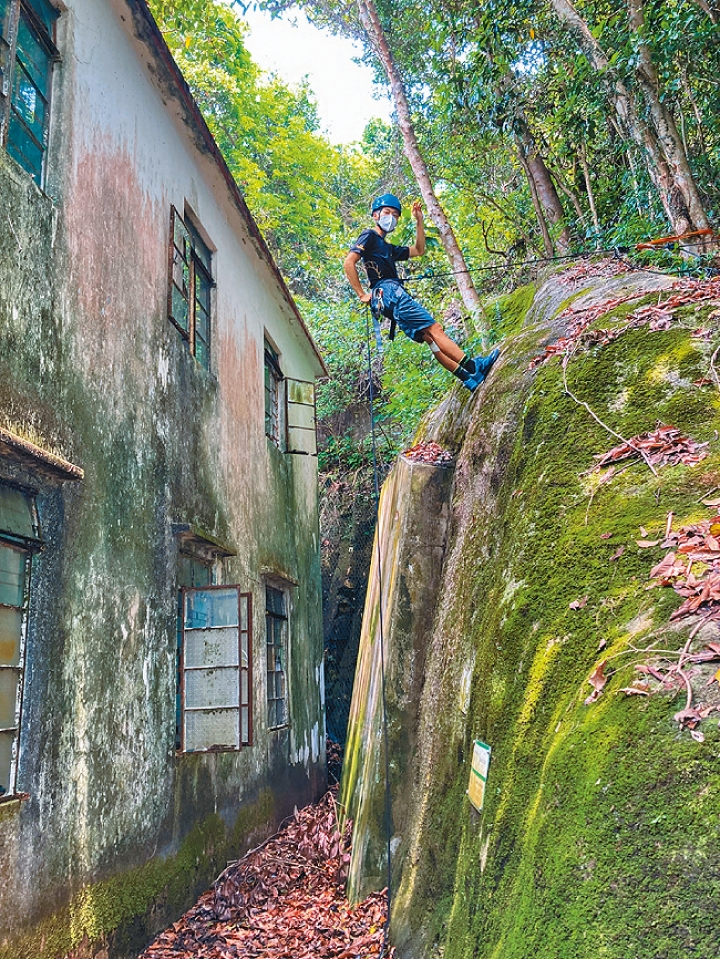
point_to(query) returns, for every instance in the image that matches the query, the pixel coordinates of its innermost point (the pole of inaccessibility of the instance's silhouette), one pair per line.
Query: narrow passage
(283, 900)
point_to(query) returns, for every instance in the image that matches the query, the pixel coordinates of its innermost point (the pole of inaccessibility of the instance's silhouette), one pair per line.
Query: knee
(430, 332)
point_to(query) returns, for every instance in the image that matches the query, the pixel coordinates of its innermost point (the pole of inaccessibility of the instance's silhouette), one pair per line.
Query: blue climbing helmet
(387, 199)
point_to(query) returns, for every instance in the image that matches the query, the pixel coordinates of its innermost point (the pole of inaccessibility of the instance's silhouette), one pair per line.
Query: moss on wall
(600, 831)
(128, 908)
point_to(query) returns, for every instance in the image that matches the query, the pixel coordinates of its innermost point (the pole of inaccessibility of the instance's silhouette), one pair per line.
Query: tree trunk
(684, 197)
(671, 179)
(376, 35)
(539, 213)
(558, 175)
(547, 195)
(582, 153)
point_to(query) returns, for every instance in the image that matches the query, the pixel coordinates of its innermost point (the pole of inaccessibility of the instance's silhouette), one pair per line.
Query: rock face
(599, 834)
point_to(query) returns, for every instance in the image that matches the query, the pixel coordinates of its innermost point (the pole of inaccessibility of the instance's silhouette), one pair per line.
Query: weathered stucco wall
(119, 832)
(599, 835)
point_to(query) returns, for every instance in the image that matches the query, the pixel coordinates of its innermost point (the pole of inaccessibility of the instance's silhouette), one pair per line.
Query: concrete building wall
(118, 830)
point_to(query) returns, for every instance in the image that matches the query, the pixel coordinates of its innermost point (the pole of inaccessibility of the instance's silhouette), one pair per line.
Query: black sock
(468, 365)
(461, 373)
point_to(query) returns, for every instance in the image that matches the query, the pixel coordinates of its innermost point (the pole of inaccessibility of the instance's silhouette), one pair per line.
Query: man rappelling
(387, 296)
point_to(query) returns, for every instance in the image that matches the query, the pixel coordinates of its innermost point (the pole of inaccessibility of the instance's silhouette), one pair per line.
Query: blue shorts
(390, 299)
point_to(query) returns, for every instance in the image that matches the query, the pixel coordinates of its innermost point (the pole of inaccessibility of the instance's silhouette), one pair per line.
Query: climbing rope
(376, 478)
(617, 251)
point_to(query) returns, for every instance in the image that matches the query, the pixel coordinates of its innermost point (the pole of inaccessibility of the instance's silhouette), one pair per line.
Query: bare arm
(418, 247)
(350, 267)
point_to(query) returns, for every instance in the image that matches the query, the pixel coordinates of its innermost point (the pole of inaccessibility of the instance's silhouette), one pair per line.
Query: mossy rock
(599, 835)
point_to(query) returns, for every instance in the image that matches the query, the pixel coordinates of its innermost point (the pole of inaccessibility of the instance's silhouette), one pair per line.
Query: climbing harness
(376, 480)
(378, 308)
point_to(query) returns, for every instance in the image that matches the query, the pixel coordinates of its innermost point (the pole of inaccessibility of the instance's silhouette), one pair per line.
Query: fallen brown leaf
(597, 680)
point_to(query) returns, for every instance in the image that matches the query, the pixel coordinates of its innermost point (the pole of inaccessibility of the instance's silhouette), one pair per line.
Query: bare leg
(448, 353)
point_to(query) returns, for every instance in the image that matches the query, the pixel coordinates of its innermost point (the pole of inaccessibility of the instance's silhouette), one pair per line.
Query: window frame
(26, 546)
(271, 615)
(18, 9)
(197, 258)
(273, 393)
(248, 669)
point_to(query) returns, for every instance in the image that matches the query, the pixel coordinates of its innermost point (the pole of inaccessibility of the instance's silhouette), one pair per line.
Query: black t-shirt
(379, 256)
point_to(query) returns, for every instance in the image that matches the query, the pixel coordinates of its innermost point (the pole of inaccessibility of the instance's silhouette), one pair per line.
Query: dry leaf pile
(431, 453)
(607, 267)
(283, 900)
(657, 316)
(662, 447)
(692, 568)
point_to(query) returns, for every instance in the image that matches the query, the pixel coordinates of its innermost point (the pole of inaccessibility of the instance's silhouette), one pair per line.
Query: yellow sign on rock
(479, 774)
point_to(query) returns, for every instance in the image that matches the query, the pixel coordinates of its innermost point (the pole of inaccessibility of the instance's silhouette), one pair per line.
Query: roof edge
(155, 40)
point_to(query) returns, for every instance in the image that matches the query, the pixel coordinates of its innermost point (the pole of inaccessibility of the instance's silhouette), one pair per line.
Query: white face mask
(387, 222)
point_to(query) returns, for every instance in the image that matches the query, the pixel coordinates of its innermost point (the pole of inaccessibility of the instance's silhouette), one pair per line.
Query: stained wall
(92, 370)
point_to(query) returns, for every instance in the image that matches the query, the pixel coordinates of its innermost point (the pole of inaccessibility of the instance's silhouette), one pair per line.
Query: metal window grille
(216, 669)
(273, 379)
(27, 55)
(19, 537)
(191, 284)
(276, 621)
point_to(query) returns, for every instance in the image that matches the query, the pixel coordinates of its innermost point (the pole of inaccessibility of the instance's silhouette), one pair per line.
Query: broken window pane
(180, 309)
(181, 273)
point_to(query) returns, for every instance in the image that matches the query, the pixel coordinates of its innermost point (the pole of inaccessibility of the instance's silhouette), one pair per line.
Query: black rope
(388, 804)
(617, 252)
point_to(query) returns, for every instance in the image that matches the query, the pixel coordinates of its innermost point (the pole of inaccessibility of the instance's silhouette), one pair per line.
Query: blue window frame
(27, 55)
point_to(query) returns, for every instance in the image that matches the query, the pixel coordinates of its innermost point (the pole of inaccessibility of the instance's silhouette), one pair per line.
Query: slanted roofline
(147, 30)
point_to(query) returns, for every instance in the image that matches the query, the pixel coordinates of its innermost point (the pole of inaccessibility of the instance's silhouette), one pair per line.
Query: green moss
(600, 833)
(507, 313)
(112, 908)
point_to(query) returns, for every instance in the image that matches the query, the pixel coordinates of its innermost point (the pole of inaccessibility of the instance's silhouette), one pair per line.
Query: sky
(344, 90)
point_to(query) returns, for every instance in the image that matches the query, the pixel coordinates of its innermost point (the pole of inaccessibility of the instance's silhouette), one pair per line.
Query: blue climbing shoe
(482, 368)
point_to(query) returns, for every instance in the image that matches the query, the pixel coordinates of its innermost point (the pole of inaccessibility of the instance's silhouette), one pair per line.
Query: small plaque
(479, 774)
